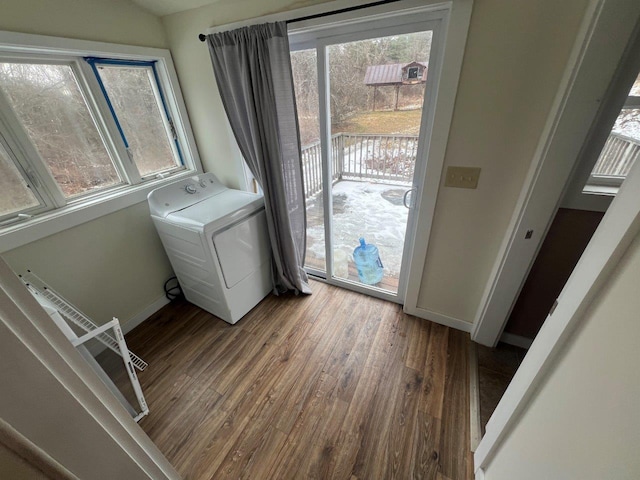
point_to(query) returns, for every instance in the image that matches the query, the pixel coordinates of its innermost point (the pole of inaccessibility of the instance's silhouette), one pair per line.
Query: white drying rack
(71, 315)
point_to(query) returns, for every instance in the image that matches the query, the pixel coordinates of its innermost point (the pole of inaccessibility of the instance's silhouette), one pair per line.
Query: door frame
(617, 230)
(108, 426)
(371, 27)
(602, 41)
(609, 27)
(450, 25)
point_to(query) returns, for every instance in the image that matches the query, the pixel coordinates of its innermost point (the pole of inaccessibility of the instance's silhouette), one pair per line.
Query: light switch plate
(462, 177)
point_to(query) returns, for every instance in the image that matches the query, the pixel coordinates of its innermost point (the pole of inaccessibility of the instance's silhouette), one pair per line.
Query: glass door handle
(406, 196)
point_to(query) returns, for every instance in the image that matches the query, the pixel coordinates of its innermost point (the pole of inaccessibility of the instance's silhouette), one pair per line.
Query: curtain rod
(203, 37)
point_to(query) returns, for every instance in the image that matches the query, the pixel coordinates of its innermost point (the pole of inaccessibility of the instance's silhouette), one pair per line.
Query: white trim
(70, 216)
(366, 19)
(479, 474)
(440, 318)
(516, 340)
(96, 348)
(30, 43)
(618, 228)
(111, 200)
(436, 59)
(290, 14)
(144, 314)
(589, 71)
(455, 39)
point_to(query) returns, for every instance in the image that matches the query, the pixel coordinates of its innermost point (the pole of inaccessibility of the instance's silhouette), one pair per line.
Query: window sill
(49, 223)
(608, 190)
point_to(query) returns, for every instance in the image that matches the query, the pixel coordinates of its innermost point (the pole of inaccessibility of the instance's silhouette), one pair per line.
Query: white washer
(217, 241)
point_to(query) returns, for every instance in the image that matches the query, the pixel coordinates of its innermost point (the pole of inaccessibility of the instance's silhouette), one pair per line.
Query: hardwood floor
(496, 368)
(335, 385)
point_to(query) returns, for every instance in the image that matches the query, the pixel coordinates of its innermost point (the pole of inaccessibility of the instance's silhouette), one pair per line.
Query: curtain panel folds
(253, 72)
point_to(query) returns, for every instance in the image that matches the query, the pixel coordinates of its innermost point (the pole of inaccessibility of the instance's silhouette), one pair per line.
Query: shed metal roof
(389, 74)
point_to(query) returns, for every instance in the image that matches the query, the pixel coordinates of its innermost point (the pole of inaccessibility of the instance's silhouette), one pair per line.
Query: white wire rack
(76, 317)
(64, 314)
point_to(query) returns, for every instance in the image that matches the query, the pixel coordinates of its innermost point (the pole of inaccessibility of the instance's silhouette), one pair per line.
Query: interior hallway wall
(568, 236)
(584, 421)
(114, 265)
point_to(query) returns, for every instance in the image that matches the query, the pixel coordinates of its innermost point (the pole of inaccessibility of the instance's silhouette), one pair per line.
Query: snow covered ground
(362, 209)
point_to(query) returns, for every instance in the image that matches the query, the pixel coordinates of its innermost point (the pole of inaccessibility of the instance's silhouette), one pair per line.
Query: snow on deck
(362, 209)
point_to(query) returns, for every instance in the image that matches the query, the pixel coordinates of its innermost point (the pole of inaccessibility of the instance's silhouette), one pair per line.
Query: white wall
(515, 57)
(584, 422)
(53, 398)
(114, 265)
(117, 21)
(218, 149)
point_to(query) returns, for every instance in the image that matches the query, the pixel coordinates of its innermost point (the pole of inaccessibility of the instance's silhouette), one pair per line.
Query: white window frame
(60, 213)
(609, 184)
(410, 18)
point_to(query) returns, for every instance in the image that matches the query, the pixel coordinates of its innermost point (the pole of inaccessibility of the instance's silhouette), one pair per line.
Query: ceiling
(167, 7)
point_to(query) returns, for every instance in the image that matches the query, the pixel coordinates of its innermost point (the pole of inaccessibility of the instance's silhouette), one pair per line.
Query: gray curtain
(253, 72)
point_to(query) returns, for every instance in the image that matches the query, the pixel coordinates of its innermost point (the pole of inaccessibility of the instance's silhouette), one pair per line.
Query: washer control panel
(183, 193)
(196, 185)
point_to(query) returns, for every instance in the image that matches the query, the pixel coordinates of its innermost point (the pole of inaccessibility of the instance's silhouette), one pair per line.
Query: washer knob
(190, 188)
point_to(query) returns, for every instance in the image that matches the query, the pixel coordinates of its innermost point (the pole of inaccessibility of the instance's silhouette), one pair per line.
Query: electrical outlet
(462, 177)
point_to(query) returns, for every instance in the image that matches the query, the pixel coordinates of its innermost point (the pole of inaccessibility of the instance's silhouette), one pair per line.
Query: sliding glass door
(365, 97)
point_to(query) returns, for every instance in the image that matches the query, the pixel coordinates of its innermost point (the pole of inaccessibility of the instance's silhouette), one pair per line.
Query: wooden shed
(396, 75)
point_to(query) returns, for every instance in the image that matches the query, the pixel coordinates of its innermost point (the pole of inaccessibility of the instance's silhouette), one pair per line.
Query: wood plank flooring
(335, 385)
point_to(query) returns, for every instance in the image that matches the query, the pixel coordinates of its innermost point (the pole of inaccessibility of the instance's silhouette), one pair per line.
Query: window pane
(623, 146)
(139, 112)
(50, 105)
(305, 79)
(628, 124)
(15, 195)
(635, 88)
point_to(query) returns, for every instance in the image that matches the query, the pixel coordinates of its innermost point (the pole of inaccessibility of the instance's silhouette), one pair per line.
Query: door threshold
(474, 396)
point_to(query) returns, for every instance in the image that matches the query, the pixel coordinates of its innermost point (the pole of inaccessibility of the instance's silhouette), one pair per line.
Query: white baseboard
(479, 474)
(96, 347)
(516, 340)
(440, 318)
(144, 314)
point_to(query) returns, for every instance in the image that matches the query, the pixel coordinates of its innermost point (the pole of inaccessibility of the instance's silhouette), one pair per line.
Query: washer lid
(223, 209)
(183, 193)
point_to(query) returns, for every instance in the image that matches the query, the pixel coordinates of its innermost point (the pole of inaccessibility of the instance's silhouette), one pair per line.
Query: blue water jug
(368, 263)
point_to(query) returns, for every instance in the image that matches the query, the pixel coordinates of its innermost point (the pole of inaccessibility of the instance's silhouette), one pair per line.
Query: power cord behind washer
(172, 290)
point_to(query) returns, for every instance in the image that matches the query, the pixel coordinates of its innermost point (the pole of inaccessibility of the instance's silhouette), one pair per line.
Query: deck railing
(617, 156)
(392, 158)
(389, 158)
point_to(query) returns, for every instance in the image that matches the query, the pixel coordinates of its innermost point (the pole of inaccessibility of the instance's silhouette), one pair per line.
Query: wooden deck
(315, 217)
(335, 385)
(389, 282)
